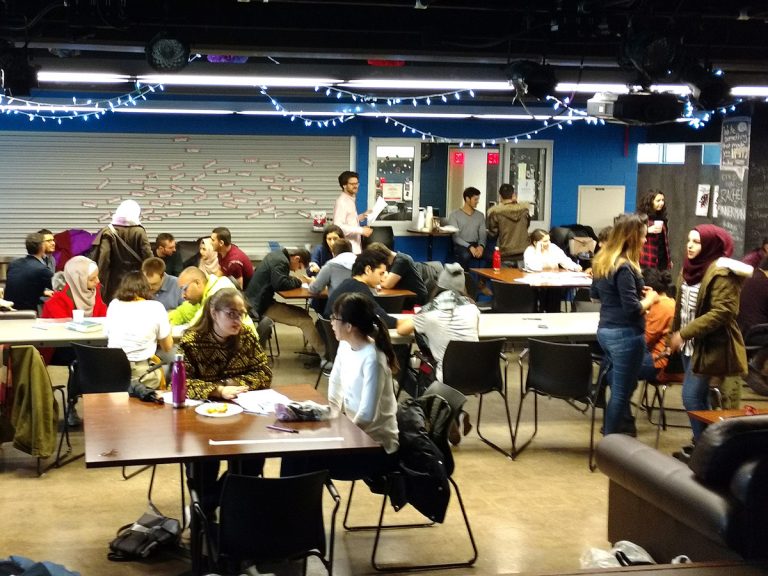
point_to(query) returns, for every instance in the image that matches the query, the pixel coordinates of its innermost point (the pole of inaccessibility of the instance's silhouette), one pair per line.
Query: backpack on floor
(139, 539)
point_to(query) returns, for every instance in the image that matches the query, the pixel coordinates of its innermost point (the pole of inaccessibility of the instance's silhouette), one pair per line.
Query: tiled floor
(539, 513)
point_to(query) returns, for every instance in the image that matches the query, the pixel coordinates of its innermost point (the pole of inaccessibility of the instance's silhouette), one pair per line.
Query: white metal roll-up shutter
(261, 187)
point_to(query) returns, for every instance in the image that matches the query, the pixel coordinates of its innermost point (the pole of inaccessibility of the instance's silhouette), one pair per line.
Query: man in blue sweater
(29, 278)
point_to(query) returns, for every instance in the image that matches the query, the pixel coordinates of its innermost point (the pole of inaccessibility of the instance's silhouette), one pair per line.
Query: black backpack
(139, 539)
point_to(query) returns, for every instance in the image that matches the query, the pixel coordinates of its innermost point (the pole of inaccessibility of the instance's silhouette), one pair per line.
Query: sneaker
(73, 420)
(312, 361)
(465, 423)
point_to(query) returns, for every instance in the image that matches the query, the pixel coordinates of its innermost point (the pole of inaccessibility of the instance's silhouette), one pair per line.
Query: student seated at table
(138, 325)
(165, 288)
(223, 358)
(323, 252)
(360, 386)
(402, 275)
(543, 255)
(333, 272)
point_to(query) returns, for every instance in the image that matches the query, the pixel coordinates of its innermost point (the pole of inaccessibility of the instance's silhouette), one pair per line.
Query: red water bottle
(496, 259)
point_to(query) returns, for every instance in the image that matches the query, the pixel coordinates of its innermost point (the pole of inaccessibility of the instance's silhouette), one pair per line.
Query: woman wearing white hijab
(209, 258)
(122, 247)
(80, 291)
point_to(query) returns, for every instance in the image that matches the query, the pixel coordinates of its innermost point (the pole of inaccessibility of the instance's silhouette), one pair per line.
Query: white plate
(232, 409)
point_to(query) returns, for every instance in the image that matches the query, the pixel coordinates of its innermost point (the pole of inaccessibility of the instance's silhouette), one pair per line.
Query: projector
(638, 108)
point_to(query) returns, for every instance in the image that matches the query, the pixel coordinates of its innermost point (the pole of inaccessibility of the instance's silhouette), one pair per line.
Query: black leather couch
(715, 508)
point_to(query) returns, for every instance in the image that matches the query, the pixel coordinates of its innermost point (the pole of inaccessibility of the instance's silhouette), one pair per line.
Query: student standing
(705, 325)
(345, 214)
(655, 253)
(624, 300)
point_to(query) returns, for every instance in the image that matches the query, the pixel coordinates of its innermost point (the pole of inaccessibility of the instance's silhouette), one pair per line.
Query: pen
(281, 429)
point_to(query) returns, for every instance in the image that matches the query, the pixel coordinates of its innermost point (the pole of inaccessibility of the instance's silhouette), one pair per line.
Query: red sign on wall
(458, 158)
(493, 158)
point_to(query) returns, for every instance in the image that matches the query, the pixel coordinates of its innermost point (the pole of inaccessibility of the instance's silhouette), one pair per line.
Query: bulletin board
(261, 187)
(599, 205)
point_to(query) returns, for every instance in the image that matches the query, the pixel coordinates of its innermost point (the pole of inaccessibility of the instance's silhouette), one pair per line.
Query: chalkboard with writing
(730, 210)
(757, 201)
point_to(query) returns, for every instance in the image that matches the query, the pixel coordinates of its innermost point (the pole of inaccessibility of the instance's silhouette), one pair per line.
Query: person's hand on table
(228, 391)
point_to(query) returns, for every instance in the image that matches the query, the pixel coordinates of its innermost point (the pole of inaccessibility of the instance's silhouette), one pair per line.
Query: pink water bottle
(178, 381)
(496, 259)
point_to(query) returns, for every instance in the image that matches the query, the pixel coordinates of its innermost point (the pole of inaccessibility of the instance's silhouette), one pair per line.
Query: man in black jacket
(29, 278)
(274, 275)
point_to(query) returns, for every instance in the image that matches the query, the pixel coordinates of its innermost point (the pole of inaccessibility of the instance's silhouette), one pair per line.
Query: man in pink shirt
(345, 211)
(233, 261)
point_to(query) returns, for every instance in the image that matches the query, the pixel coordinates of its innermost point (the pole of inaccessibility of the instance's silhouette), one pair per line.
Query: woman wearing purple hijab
(704, 326)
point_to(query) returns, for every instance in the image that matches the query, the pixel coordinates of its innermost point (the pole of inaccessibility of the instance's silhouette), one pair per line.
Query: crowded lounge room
(449, 286)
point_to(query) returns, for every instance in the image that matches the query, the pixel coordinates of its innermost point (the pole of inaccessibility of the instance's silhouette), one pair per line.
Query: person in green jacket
(704, 326)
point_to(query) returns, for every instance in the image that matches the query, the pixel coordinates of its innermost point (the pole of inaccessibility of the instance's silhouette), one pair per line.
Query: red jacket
(61, 305)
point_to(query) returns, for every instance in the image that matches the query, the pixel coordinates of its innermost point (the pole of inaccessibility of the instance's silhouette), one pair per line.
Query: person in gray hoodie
(333, 272)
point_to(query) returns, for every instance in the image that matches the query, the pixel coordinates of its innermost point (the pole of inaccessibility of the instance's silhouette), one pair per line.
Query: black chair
(473, 368)
(269, 520)
(383, 234)
(391, 304)
(517, 298)
(561, 371)
(439, 435)
(331, 346)
(756, 339)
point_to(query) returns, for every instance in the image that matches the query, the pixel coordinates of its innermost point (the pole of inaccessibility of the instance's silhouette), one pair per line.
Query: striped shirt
(688, 297)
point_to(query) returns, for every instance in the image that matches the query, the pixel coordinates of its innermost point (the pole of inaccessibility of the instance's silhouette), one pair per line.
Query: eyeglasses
(336, 318)
(232, 314)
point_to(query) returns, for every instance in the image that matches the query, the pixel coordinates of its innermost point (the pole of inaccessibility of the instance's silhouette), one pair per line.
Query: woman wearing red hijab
(705, 327)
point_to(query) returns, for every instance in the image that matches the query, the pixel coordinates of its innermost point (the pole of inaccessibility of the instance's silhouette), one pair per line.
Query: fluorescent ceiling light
(244, 81)
(526, 117)
(82, 77)
(591, 87)
(414, 115)
(329, 114)
(679, 89)
(749, 91)
(145, 110)
(446, 85)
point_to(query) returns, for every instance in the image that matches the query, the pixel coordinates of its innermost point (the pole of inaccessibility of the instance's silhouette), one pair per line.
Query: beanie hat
(452, 278)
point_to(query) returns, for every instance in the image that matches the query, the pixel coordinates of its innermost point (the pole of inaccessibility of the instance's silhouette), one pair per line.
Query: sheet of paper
(377, 209)
(555, 279)
(261, 401)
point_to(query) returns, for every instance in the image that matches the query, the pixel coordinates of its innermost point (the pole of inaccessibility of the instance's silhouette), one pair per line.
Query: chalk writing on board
(731, 206)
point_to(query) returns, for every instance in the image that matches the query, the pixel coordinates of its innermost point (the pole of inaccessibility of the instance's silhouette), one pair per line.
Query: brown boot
(454, 435)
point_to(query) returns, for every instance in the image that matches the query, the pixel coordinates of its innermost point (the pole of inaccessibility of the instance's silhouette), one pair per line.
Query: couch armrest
(666, 484)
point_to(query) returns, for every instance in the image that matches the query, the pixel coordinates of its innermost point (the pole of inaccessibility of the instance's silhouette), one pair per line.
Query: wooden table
(547, 279)
(712, 416)
(53, 333)
(430, 236)
(304, 293)
(123, 431)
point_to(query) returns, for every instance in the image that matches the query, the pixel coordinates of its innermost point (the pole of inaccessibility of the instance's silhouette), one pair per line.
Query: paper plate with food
(218, 409)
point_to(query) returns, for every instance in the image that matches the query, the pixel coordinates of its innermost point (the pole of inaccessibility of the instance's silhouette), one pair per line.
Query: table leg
(430, 239)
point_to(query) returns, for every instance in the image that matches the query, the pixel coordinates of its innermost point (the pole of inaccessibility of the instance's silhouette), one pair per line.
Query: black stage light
(167, 54)
(709, 89)
(532, 79)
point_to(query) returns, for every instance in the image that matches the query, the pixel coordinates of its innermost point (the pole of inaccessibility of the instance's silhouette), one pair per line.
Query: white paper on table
(555, 279)
(377, 209)
(261, 401)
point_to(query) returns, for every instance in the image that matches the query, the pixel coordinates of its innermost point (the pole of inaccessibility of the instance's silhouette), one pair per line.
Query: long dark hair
(645, 206)
(219, 300)
(324, 248)
(357, 309)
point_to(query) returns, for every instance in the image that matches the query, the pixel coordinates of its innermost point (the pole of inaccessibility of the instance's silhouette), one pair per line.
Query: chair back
(562, 371)
(272, 519)
(520, 298)
(582, 306)
(101, 369)
(473, 367)
(756, 337)
(391, 304)
(331, 344)
(441, 428)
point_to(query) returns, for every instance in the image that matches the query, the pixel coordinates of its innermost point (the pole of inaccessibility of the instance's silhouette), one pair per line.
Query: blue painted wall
(600, 155)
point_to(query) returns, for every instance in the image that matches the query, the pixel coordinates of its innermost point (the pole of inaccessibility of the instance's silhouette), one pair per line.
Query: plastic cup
(78, 315)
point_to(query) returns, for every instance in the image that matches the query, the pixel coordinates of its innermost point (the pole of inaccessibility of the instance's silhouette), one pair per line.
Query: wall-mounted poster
(702, 199)
(392, 191)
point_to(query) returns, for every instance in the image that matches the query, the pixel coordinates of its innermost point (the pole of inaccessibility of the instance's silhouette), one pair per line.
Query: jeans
(624, 349)
(647, 370)
(463, 256)
(695, 395)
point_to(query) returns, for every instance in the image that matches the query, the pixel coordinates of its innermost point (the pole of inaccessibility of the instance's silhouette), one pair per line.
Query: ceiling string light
(372, 100)
(78, 110)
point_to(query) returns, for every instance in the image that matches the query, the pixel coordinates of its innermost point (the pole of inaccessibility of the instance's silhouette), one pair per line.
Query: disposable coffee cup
(78, 315)
(658, 223)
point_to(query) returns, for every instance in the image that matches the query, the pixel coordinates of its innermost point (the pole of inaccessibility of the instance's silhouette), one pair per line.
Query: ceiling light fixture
(532, 79)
